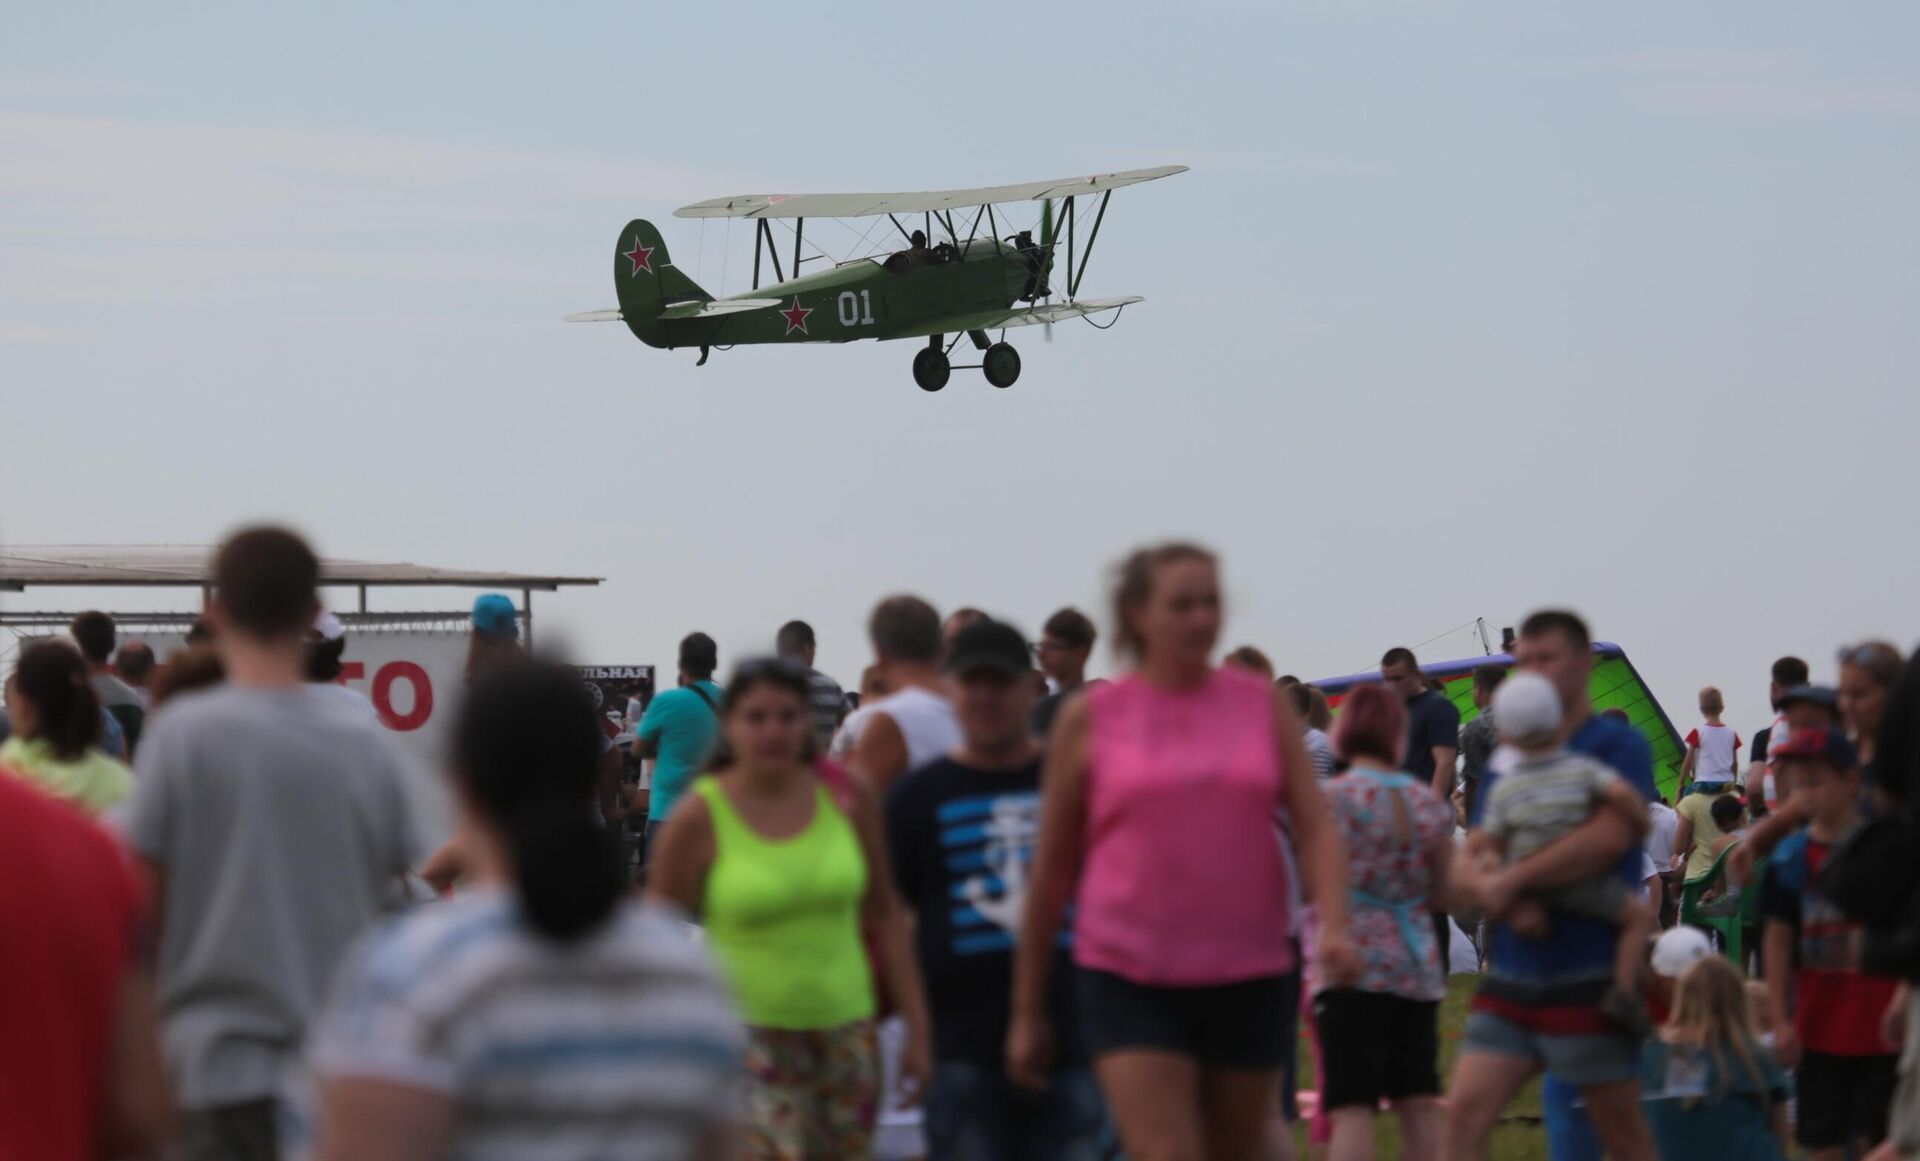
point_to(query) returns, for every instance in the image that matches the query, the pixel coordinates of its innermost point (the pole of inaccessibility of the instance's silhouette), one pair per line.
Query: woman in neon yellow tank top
(782, 877)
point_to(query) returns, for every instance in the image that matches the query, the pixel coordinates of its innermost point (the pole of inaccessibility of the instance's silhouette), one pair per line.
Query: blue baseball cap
(495, 616)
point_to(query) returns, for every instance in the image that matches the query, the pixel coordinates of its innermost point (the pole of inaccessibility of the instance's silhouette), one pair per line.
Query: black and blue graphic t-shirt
(962, 842)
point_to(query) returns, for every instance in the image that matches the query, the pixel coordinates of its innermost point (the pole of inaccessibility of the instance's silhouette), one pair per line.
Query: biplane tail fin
(647, 281)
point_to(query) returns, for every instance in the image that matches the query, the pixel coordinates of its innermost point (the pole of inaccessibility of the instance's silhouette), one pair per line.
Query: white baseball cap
(1525, 706)
(1678, 949)
(328, 626)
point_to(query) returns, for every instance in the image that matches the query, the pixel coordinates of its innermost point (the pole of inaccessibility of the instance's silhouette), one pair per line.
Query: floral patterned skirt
(811, 1095)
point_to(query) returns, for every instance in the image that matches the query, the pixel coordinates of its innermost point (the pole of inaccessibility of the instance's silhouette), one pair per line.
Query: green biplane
(967, 284)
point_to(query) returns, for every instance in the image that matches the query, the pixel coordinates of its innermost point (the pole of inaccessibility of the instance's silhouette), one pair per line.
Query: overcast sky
(1465, 308)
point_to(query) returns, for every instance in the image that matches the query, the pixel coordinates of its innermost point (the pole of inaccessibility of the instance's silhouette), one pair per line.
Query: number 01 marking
(856, 309)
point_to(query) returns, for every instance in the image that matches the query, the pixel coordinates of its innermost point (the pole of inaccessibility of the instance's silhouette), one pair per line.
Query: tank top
(926, 721)
(783, 917)
(1184, 884)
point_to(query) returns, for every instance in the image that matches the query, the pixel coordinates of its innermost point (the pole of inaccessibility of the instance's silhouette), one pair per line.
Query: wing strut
(1070, 223)
(799, 224)
(763, 234)
(1073, 280)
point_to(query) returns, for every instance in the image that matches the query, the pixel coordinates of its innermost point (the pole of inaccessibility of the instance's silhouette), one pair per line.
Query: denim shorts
(1581, 1061)
(974, 1113)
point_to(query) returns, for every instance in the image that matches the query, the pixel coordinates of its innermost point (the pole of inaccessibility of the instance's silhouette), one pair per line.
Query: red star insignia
(796, 316)
(640, 256)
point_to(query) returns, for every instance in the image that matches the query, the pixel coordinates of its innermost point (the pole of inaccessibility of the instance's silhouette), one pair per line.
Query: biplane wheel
(1001, 364)
(931, 369)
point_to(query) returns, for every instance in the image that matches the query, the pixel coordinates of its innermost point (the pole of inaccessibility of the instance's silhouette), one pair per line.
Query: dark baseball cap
(1820, 695)
(1831, 745)
(989, 646)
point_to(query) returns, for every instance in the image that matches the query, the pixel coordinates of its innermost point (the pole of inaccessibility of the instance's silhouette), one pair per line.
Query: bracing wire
(700, 259)
(1428, 641)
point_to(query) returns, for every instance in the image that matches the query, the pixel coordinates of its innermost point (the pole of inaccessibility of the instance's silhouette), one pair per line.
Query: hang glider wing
(1615, 684)
(613, 315)
(993, 320)
(720, 306)
(864, 205)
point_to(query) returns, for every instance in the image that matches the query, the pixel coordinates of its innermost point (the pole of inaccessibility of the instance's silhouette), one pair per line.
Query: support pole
(363, 598)
(799, 224)
(526, 604)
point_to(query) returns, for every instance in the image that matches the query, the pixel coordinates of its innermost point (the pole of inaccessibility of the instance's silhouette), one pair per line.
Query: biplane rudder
(647, 282)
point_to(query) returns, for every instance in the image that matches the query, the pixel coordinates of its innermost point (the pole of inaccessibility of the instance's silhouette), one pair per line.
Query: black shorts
(1375, 1047)
(1843, 1098)
(1239, 1025)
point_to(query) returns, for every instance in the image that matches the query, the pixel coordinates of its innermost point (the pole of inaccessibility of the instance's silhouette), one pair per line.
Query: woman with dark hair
(1882, 887)
(781, 876)
(538, 1015)
(1160, 797)
(56, 730)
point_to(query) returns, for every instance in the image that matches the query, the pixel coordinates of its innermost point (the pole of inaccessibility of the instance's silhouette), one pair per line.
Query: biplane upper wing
(863, 205)
(993, 320)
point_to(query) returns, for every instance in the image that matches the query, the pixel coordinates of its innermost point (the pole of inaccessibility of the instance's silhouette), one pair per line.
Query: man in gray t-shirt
(274, 821)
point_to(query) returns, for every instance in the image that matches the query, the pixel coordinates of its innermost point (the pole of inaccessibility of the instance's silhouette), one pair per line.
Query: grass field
(1519, 1138)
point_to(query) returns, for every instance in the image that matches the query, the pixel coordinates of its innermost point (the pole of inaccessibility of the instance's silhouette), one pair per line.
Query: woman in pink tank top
(1161, 792)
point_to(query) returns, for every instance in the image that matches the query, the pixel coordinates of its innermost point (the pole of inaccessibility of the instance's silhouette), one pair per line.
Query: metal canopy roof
(191, 566)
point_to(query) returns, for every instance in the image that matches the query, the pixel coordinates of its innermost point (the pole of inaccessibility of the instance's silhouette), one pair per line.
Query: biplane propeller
(965, 285)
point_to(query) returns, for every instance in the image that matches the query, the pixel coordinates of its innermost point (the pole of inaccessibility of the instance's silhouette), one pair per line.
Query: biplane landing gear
(1001, 364)
(931, 368)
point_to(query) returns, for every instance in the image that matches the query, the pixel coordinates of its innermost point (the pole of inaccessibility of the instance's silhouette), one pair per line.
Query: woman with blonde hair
(1157, 822)
(1711, 1088)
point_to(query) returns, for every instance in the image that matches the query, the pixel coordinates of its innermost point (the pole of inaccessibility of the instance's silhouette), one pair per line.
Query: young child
(1711, 1089)
(1713, 748)
(1844, 1067)
(1545, 793)
(1729, 815)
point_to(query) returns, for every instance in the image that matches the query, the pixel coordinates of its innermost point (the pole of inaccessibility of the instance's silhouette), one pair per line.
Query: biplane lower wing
(993, 320)
(716, 307)
(698, 308)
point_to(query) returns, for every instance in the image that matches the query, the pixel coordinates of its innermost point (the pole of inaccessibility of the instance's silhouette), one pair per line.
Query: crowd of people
(984, 908)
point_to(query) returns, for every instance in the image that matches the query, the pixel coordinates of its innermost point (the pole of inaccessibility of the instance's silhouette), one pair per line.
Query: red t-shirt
(68, 910)
(1837, 1008)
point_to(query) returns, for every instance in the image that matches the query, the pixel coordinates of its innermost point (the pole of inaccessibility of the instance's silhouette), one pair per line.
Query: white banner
(414, 681)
